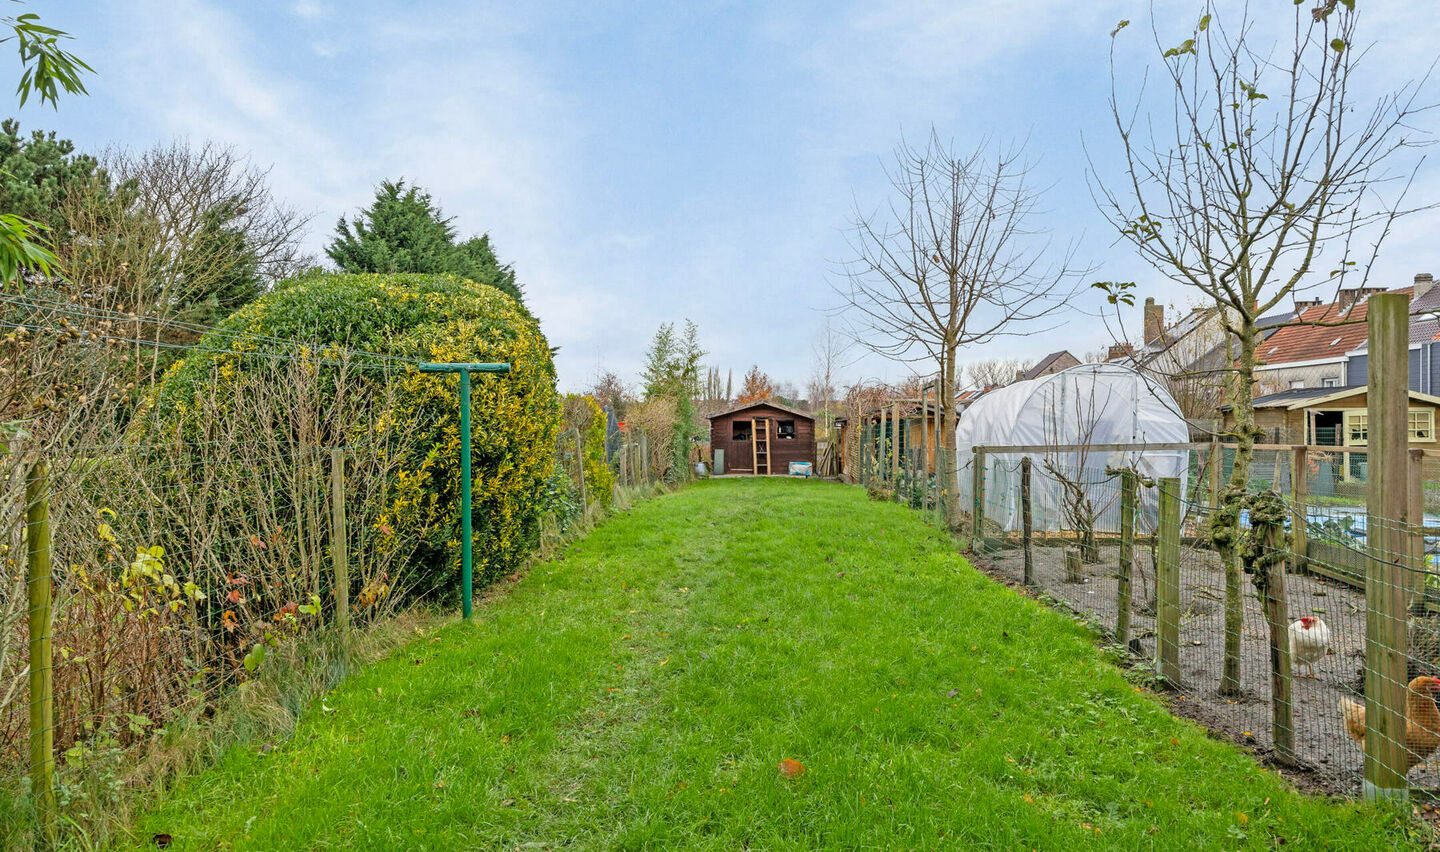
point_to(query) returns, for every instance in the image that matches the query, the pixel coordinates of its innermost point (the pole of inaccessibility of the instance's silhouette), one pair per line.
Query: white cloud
(312, 10)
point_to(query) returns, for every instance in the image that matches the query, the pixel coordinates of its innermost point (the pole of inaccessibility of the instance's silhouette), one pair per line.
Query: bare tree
(827, 352)
(608, 390)
(1268, 165)
(713, 395)
(953, 260)
(991, 372)
(178, 234)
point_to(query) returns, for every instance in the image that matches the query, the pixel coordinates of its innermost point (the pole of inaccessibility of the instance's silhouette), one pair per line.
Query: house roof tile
(1299, 342)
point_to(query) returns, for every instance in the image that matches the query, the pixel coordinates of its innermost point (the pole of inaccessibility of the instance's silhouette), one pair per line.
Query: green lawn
(638, 693)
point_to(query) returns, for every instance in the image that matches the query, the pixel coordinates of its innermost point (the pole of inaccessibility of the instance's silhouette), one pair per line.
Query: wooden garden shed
(761, 438)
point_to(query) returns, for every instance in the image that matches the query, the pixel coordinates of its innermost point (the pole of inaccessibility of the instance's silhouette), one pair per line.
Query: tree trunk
(1225, 526)
(945, 466)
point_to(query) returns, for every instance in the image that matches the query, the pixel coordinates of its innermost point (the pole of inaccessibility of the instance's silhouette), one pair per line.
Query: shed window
(1357, 428)
(785, 429)
(740, 430)
(1422, 424)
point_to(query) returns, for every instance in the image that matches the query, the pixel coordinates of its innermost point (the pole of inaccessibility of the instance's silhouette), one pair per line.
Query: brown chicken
(1422, 720)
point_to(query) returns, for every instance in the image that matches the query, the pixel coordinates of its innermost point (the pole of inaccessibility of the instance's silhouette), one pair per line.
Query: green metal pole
(466, 578)
(467, 589)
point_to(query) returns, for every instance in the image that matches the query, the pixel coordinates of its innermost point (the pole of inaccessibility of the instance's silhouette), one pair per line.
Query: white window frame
(1427, 419)
(1427, 416)
(1353, 414)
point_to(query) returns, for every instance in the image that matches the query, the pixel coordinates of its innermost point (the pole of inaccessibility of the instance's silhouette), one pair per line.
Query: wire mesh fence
(1312, 638)
(150, 568)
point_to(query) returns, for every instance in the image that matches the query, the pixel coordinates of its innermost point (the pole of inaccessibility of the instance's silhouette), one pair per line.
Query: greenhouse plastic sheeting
(1085, 405)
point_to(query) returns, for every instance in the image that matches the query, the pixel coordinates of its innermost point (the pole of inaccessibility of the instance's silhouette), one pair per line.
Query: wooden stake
(1299, 492)
(894, 441)
(580, 466)
(1072, 566)
(42, 698)
(1128, 484)
(1387, 513)
(339, 541)
(1167, 583)
(1275, 604)
(1025, 511)
(645, 458)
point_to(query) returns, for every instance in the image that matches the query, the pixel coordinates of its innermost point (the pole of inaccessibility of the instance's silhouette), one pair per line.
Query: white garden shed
(1065, 413)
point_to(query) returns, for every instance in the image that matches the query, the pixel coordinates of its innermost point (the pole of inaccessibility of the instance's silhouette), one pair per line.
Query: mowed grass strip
(639, 692)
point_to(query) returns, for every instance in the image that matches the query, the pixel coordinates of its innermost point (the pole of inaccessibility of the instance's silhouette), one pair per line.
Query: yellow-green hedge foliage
(515, 417)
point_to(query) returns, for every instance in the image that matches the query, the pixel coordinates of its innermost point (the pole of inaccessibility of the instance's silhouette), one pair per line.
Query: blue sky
(643, 162)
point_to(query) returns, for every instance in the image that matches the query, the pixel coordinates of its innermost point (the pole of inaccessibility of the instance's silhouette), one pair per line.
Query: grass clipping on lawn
(641, 689)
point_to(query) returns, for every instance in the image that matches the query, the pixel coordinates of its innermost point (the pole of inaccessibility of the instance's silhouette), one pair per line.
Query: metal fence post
(339, 541)
(1167, 583)
(977, 520)
(1026, 521)
(1127, 555)
(42, 698)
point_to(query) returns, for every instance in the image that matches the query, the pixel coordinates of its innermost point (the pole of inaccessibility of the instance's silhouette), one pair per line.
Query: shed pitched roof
(1298, 398)
(766, 402)
(1048, 364)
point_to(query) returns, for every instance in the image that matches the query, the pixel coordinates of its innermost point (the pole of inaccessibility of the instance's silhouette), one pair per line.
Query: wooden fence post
(1269, 580)
(864, 455)
(580, 466)
(880, 447)
(1027, 527)
(339, 542)
(42, 697)
(1386, 522)
(1167, 584)
(1072, 566)
(1128, 485)
(645, 458)
(977, 518)
(1299, 491)
(895, 441)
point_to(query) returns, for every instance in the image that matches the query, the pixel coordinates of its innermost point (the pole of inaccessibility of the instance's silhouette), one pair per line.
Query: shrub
(514, 418)
(584, 414)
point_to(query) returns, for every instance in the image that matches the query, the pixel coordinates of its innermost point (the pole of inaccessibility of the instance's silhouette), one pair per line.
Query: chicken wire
(1327, 584)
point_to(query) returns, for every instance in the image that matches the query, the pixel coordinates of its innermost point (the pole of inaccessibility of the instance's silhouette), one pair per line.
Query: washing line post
(467, 583)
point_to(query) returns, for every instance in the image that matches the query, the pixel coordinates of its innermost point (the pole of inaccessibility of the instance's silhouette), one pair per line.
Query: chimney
(1118, 351)
(1303, 305)
(1348, 298)
(1154, 320)
(1423, 282)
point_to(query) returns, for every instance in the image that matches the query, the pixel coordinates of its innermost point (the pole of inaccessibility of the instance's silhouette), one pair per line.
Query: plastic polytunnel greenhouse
(1064, 414)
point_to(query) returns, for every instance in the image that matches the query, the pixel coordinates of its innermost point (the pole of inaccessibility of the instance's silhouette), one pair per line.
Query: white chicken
(1309, 641)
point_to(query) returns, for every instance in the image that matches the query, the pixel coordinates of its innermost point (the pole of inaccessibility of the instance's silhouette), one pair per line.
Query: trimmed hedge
(514, 418)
